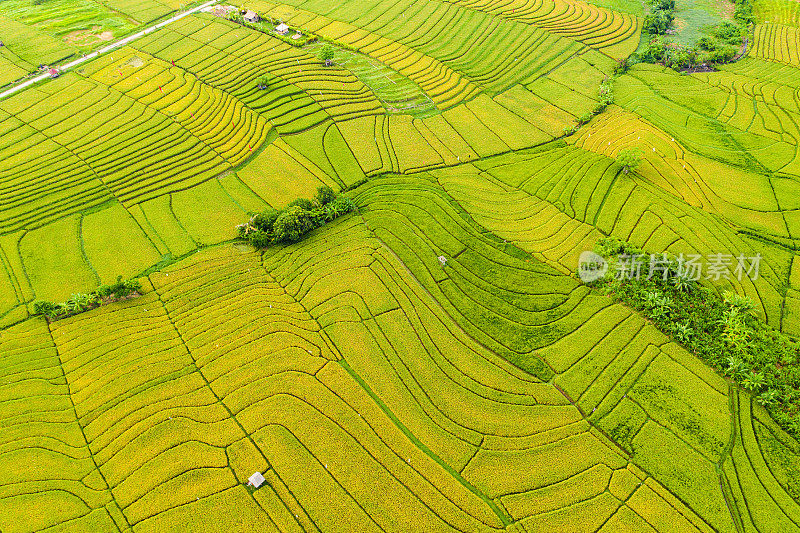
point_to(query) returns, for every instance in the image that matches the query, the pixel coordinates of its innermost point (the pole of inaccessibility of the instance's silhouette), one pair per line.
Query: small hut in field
(256, 480)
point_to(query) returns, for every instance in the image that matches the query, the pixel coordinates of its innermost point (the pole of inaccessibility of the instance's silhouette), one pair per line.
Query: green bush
(658, 23)
(293, 223)
(260, 239)
(663, 5)
(51, 311)
(80, 302)
(326, 54)
(289, 225)
(264, 221)
(629, 159)
(624, 64)
(706, 43)
(722, 44)
(729, 33)
(614, 246)
(721, 54)
(654, 51)
(305, 203)
(119, 289)
(341, 205)
(606, 94)
(743, 12)
(324, 195)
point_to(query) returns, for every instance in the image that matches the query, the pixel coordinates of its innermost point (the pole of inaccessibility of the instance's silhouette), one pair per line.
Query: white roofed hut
(256, 480)
(282, 29)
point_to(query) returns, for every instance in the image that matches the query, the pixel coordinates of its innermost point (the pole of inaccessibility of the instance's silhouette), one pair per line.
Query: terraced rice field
(430, 361)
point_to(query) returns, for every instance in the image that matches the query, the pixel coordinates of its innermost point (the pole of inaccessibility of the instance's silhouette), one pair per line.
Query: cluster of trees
(78, 303)
(290, 224)
(722, 45)
(722, 331)
(661, 17)
(708, 50)
(719, 46)
(743, 12)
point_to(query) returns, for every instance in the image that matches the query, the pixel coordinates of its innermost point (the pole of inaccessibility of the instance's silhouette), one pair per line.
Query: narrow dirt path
(106, 49)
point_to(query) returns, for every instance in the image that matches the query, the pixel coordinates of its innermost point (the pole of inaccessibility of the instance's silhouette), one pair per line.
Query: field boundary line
(504, 519)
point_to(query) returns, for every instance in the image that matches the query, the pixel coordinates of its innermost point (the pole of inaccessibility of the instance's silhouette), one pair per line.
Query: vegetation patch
(719, 41)
(293, 222)
(722, 331)
(80, 303)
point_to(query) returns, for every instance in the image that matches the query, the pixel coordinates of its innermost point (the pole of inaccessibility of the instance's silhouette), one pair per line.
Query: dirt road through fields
(106, 49)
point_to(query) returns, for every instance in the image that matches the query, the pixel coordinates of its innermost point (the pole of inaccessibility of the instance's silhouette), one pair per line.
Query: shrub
(77, 303)
(132, 285)
(343, 205)
(730, 33)
(305, 203)
(264, 221)
(629, 159)
(326, 54)
(606, 95)
(768, 397)
(682, 331)
(260, 239)
(104, 291)
(43, 307)
(682, 58)
(611, 247)
(586, 117)
(743, 304)
(663, 5)
(324, 195)
(683, 284)
(118, 289)
(658, 22)
(721, 54)
(292, 224)
(623, 65)
(743, 12)
(706, 43)
(300, 216)
(654, 51)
